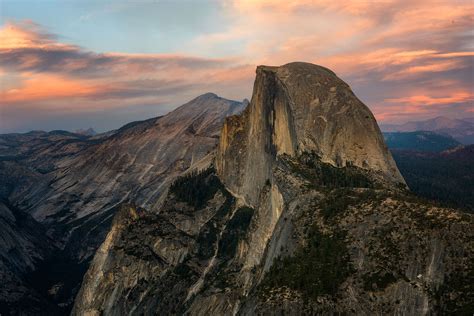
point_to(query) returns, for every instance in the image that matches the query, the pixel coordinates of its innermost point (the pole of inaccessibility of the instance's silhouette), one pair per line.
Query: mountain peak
(207, 95)
(300, 108)
(298, 67)
(206, 102)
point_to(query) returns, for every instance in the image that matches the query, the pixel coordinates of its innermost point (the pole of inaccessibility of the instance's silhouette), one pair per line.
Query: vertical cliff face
(303, 211)
(296, 108)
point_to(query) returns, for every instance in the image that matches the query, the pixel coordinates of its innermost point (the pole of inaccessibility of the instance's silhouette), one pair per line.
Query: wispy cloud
(387, 50)
(426, 100)
(26, 47)
(40, 73)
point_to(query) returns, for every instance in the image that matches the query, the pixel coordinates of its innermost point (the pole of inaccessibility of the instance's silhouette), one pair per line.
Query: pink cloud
(426, 100)
(47, 70)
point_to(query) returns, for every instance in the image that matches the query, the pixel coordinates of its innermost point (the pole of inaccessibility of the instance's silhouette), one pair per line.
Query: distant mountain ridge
(419, 141)
(460, 129)
(87, 132)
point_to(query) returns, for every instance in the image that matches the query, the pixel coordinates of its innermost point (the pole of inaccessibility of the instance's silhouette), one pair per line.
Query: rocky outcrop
(296, 108)
(303, 211)
(363, 251)
(148, 261)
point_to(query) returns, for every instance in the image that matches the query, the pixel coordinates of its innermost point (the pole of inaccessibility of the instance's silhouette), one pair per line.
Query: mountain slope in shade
(419, 141)
(446, 177)
(72, 184)
(290, 218)
(460, 129)
(23, 244)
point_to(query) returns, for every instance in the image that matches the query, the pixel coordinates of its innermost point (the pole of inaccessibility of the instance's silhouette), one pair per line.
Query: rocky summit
(300, 108)
(299, 210)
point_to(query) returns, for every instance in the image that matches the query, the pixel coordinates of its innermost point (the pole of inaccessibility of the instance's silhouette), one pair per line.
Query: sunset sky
(78, 64)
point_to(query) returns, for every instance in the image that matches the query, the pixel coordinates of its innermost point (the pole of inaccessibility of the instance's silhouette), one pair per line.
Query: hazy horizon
(101, 64)
(99, 129)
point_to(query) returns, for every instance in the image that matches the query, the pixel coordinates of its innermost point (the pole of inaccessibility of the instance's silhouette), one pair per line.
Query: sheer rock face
(296, 108)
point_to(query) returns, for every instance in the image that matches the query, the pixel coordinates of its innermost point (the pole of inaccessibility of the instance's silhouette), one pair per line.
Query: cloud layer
(43, 77)
(405, 59)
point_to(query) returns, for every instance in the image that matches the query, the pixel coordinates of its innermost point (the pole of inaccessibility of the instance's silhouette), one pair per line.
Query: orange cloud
(349, 36)
(27, 34)
(416, 70)
(48, 71)
(41, 87)
(425, 100)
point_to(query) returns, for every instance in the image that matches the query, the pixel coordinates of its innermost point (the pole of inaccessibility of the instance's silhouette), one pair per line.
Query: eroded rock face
(301, 212)
(157, 262)
(296, 108)
(136, 164)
